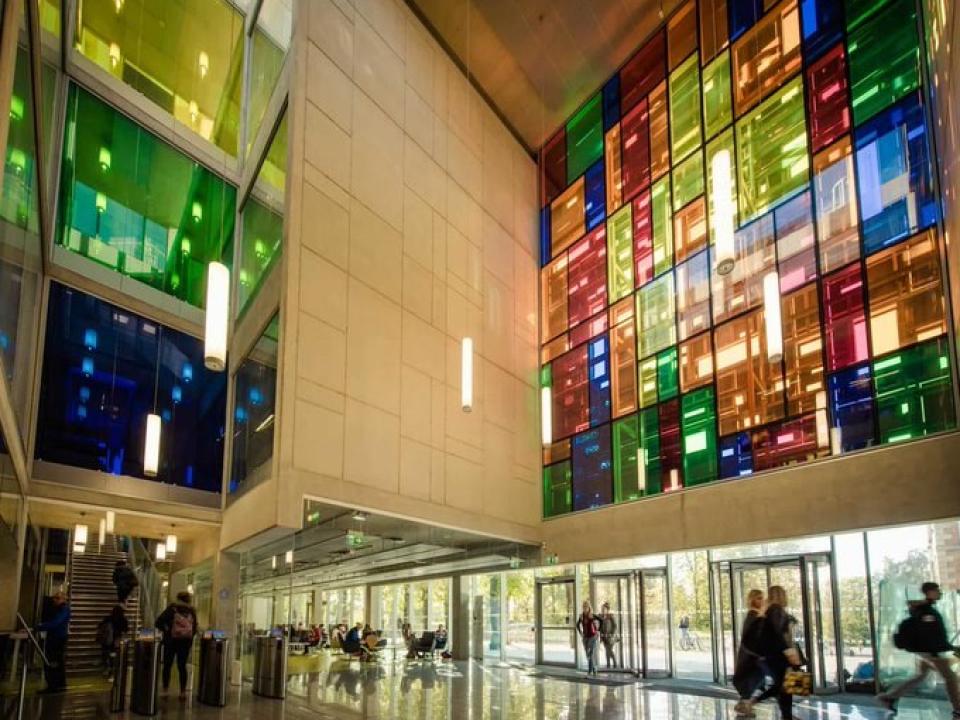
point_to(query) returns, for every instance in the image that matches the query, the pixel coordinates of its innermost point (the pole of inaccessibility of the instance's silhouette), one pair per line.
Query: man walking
(124, 580)
(925, 635)
(55, 645)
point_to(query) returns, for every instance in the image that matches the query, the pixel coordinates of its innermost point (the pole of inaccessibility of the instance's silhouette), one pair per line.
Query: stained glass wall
(658, 367)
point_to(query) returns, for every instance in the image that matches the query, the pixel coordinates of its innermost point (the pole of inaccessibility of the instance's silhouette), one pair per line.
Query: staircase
(92, 597)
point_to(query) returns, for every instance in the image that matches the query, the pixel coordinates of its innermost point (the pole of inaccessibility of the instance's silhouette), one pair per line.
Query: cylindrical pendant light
(546, 416)
(723, 222)
(823, 424)
(171, 544)
(161, 552)
(111, 520)
(771, 316)
(218, 312)
(289, 557)
(466, 374)
(80, 535)
(79, 549)
(273, 562)
(151, 448)
(103, 532)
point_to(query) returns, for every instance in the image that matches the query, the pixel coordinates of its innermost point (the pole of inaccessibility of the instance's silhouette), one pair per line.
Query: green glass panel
(717, 102)
(857, 11)
(656, 316)
(626, 447)
(685, 108)
(557, 489)
(648, 382)
(584, 138)
(546, 375)
(269, 44)
(620, 254)
(652, 479)
(49, 16)
(688, 181)
(261, 220)
(185, 56)
(136, 205)
(18, 203)
(698, 426)
(772, 160)
(668, 383)
(914, 392)
(884, 59)
(662, 227)
(724, 141)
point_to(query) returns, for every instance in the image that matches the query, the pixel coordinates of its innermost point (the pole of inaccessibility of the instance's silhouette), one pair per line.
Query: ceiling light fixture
(723, 224)
(151, 444)
(546, 415)
(771, 316)
(80, 534)
(204, 62)
(172, 543)
(359, 516)
(114, 54)
(217, 309)
(161, 551)
(466, 374)
(102, 535)
(111, 521)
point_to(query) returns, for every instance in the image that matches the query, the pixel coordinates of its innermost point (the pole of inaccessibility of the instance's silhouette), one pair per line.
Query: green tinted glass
(269, 43)
(557, 489)
(656, 308)
(19, 200)
(772, 159)
(685, 109)
(717, 104)
(688, 181)
(620, 254)
(648, 382)
(186, 56)
(650, 451)
(584, 138)
(134, 204)
(699, 430)
(668, 383)
(625, 450)
(662, 227)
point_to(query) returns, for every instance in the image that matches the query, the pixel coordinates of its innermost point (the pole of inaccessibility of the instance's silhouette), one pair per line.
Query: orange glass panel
(624, 361)
(714, 32)
(566, 218)
(555, 452)
(696, 362)
(693, 295)
(659, 132)
(749, 387)
(796, 254)
(690, 229)
(555, 348)
(766, 55)
(622, 311)
(682, 34)
(612, 163)
(802, 349)
(553, 294)
(905, 291)
(836, 206)
(742, 288)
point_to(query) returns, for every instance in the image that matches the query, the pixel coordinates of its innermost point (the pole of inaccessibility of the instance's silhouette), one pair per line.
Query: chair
(425, 645)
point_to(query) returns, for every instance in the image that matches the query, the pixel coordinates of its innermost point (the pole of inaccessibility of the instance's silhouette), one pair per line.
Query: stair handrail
(148, 577)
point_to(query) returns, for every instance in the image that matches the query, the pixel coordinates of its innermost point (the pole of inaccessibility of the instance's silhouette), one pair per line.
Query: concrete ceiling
(538, 60)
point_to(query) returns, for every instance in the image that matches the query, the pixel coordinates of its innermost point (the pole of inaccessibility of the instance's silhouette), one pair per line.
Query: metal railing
(24, 647)
(151, 582)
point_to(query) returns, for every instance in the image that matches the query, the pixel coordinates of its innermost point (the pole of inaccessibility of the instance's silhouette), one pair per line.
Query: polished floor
(344, 690)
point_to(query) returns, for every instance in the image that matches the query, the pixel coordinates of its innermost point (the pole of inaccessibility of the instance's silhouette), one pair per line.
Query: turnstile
(270, 667)
(145, 674)
(214, 669)
(118, 693)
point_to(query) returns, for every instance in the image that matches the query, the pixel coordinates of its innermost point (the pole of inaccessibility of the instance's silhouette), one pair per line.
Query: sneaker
(890, 704)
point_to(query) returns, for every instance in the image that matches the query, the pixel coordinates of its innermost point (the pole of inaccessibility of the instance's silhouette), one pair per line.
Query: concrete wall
(412, 222)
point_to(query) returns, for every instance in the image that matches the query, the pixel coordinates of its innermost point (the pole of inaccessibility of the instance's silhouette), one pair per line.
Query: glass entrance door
(616, 590)
(556, 618)
(654, 605)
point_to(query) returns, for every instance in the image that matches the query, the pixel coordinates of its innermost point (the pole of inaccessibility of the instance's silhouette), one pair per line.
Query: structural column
(459, 618)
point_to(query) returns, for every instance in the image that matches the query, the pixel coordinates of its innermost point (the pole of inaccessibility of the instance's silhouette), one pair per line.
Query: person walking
(178, 623)
(124, 580)
(608, 634)
(925, 634)
(749, 670)
(110, 632)
(588, 626)
(57, 628)
(779, 651)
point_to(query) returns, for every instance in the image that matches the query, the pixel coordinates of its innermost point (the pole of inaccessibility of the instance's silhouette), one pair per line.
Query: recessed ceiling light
(359, 516)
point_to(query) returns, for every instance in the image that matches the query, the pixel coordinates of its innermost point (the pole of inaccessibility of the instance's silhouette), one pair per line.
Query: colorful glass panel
(693, 295)
(656, 309)
(587, 277)
(553, 299)
(636, 150)
(592, 469)
(717, 102)
(802, 349)
(643, 239)
(845, 325)
(662, 227)
(626, 451)
(766, 55)
(685, 109)
(624, 360)
(851, 406)
(696, 362)
(829, 98)
(584, 138)
(836, 206)
(571, 401)
(620, 254)
(614, 168)
(567, 220)
(644, 71)
(699, 425)
(557, 489)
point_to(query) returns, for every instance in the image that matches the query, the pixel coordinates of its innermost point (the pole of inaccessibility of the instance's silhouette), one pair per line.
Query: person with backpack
(178, 623)
(608, 634)
(124, 580)
(588, 626)
(924, 634)
(110, 632)
(749, 671)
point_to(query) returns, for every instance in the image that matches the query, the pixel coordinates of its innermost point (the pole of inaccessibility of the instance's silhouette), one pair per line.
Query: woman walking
(588, 625)
(778, 649)
(749, 670)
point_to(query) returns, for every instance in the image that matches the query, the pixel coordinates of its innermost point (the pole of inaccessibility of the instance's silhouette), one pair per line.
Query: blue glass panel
(545, 236)
(592, 469)
(595, 195)
(736, 456)
(611, 102)
(822, 26)
(599, 353)
(895, 178)
(851, 406)
(95, 401)
(743, 16)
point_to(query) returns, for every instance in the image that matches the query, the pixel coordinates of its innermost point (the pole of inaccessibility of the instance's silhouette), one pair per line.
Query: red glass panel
(553, 167)
(590, 329)
(587, 276)
(829, 98)
(642, 239)
(670, 460)
(635, 165)
(682, 34)
(844, 320)
(795, 242)
(792, 441)
(643, 71)
(571, 397)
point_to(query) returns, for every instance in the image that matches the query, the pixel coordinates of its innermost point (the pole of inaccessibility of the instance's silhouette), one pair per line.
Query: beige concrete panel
(498, 250)
(423, 346)
(321, 353)
(438, 310)
(498, 326)
(250, 514)
(417, 289)
(372, 448)
(438, 475)
(419, 61)
(464, 429)
(526, 275)
(526, 439)
(321, 396)
(418, 119)
(498, 190)
(464, 213)
(442, 65)
(376, 249)
(415, 405)
(463, 319)
(417, 229)
(329, 88)
(438, 413)
(377, 165)
(464, 115)
(498, 396)
(378, 70)
(327, 147)
(326, 226)
(323, 290)
(373, 348)
(318, 439)
(464, 166)
(464, 488)
(422, 175)
(439, 246)
(439, 150)
(389, 19)
(332, 31)
(415, 467)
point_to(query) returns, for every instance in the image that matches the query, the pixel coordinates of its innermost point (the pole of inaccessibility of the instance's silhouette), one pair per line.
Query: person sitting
(367, 630)
(409, 639)
(351, 643)
(441, 637)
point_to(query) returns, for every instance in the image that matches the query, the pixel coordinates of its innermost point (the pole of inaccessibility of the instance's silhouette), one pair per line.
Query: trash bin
(147, 656)
(118, 693)
(270, 667)
(214, 666)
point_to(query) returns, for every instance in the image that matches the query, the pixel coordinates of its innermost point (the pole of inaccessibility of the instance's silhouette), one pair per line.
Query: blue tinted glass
(599, 381)
(101, 378)
(743, 16)
(894, 174)
(544, 236)
(595, 197)
(851, 405)
(822, 26)
(736, 457)
(611, 102)
(593, 479)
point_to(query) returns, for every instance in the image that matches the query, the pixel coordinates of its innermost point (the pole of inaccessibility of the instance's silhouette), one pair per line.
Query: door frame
(642, 627)
(629, 616)
(538, 619)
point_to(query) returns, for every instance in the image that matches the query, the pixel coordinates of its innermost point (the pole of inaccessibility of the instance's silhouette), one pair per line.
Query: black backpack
(907, 636)
(104, 635)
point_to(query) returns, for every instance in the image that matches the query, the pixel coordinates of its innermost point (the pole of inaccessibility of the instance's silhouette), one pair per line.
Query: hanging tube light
(111, 521)
(171, 544)
(771, 316)
(151, 448)
(546, 415)
(722, 219)
(217, 308)
(466, 374)
(161, 552)
(80, 535)
(102, 536)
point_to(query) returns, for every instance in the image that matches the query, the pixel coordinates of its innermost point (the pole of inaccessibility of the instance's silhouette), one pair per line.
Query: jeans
(590, 646)
(610, 650)
(925, 664)
(778, 670)
(176, 649)
(55, 648)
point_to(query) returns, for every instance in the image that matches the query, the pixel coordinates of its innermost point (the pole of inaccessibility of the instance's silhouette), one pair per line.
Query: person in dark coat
(749, 671)
(110, 634)
(57, 628)
(778, 650)
(178, 623)
(124, 580)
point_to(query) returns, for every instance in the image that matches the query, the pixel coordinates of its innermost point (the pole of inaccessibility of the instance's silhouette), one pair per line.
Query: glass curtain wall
(344, 606)
(424, 605)
(268, 603)
(269, 43)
